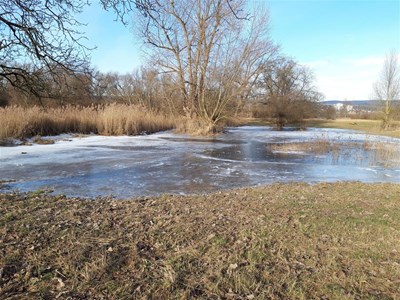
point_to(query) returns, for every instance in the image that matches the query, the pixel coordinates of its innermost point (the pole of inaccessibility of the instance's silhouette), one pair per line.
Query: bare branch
(387, 88)
(42, 34)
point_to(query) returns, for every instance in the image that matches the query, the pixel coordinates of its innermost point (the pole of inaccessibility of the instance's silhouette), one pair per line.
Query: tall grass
(367, 151)
(197, 126)
(112, 119)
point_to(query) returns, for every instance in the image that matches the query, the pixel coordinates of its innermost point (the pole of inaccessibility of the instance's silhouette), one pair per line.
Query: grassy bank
(295, 241)
(372, 127)
(368, 126)
(112, 119)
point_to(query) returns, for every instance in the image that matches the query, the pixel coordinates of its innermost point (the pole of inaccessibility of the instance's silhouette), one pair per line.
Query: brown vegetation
(374, 152)
(317, 147)
(112, 119)
(296, 241)
(387, 88)
(209, 60)
(198, 126)
(289, 94)
(213, 51)
(206, 57)
(372, 127)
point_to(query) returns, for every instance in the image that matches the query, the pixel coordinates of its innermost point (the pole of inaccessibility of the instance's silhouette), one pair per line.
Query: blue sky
(343, 42)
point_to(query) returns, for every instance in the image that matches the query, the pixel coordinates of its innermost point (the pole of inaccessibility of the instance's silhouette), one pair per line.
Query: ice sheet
(165, 162)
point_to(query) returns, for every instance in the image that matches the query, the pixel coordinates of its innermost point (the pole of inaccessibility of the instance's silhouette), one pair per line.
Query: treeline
(281, 93)
(211, 60)
(143, 87)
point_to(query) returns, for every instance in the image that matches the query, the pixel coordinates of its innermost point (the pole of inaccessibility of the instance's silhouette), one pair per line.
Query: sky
(344, 43)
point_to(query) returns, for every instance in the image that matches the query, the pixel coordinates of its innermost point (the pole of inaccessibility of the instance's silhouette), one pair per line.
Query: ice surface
(127, 166)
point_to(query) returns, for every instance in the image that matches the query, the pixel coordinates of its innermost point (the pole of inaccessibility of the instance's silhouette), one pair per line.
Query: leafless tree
(41, 34)
(211, 52)
(75, 88)
(387, 88)
(287, 90)
(146, 87)
(127, 87)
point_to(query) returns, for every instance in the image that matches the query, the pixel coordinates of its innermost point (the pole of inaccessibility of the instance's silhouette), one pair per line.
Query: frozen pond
(169, 163)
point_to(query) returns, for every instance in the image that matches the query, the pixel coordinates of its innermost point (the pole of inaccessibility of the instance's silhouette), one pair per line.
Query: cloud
(346, 78)
(352, 86)
(365, 61)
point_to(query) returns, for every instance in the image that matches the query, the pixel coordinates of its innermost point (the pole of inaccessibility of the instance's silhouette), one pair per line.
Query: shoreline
(368, 127)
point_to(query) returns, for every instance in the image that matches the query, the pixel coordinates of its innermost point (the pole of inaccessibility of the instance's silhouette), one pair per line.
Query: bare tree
(387, 88)
(287, 90)
(38, 38)
(146, 87)
(75, 88)
(41, 34)
(212, 53)
(128, 86)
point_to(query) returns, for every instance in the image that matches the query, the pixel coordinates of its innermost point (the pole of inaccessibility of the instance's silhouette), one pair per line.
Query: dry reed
(112, 119)
(198, 126)
(374, 152)
(319, 146)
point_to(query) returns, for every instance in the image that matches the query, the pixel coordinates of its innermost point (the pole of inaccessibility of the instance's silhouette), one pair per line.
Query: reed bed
(197, 127)
(371, 151)
(319, 146)
(112, 119)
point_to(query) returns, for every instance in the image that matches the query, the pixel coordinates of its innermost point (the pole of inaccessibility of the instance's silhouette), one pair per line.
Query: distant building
(342, 106)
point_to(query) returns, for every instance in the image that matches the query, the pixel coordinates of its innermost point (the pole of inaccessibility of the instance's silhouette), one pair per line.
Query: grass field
(368, 126)
(285, 241)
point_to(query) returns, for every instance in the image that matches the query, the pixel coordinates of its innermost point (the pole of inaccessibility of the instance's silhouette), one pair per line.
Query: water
(169, 163)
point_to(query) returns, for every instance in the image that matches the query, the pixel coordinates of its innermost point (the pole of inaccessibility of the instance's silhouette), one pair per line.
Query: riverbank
(108, 119)
(114, 119)
(372, 127)
(284, 241)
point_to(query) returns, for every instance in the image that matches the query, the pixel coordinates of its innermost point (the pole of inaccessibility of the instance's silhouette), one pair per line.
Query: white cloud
(347, 78)
(365, 61)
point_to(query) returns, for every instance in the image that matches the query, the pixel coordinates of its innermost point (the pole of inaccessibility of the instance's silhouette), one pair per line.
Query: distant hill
(370, 105)
(352, 102)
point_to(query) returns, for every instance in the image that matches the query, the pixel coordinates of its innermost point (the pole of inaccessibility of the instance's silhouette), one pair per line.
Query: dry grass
(367, 151)
(296, 241)
(373, 127)
(319, 146)
(385, 152)
(113, 119)
(368, 126)
(198, 126)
